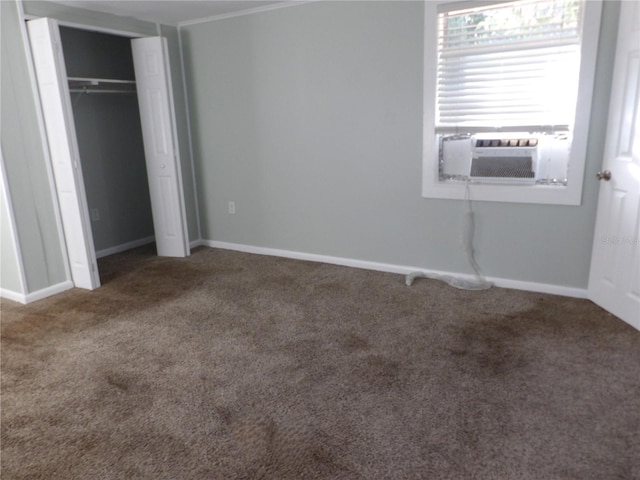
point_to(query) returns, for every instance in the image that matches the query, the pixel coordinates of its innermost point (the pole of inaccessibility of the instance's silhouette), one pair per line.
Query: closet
(107, 106)
(104, 101)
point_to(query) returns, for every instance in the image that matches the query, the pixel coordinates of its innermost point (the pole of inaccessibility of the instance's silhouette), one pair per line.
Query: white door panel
(51, 77)
(614, 281)
(160, 144)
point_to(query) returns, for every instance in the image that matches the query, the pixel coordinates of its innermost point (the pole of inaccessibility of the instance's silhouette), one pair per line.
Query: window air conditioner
(512, 158)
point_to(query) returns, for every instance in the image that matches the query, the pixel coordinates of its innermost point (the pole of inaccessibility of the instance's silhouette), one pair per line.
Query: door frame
(45, 139)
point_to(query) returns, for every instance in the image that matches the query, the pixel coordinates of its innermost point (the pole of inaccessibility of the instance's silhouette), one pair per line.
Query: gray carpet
(234, 366)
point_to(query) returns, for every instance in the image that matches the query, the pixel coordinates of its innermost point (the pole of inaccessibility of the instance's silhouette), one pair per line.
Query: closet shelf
(100, 85)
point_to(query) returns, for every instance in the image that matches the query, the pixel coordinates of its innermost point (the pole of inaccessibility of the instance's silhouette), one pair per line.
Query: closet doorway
(108, 113)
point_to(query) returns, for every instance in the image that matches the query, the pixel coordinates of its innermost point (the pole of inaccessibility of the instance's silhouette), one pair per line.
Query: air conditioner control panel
(505, 142)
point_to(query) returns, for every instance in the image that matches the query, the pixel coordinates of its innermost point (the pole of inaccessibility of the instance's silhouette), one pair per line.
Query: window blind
(508, 66)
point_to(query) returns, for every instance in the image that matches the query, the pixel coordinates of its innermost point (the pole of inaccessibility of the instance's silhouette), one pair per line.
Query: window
(507, 97)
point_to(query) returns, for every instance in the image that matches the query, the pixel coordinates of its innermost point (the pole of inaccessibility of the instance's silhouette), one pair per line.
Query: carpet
(227, 365)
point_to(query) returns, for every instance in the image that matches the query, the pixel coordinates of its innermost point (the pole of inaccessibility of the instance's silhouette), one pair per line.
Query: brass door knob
(606, 175)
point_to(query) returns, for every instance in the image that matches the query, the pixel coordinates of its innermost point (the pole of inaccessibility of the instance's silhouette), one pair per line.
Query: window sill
(535, 194)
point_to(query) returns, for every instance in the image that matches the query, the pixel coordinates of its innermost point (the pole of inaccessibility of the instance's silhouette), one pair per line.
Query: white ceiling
(170, 12)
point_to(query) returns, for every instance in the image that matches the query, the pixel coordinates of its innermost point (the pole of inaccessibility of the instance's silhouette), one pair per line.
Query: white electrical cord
(477, 283)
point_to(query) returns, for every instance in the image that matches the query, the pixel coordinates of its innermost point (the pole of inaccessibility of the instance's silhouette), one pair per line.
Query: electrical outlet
(232, 208)
(95, 214)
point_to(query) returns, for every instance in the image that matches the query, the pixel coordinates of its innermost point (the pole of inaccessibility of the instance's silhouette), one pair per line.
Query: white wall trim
(49, 291)
(250, 11)
(342, 261)
(549, 288)
(125, 246)
(37, 295)
(399, 269)
(11, 295)
(93, 28)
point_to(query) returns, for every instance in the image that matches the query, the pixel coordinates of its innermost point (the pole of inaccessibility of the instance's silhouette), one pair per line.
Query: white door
(160, 144)
(614, 280)
(51, 77)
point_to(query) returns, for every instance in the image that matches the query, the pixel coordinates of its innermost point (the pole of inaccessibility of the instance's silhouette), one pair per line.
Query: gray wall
(109, 139)
(113, 168)
(9, 269)
(25, 163)
(310, 119)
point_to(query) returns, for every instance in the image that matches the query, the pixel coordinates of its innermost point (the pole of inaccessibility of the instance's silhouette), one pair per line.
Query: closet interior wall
(109, 134)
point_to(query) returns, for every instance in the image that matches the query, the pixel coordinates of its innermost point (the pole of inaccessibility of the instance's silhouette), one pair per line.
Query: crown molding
(250, 11)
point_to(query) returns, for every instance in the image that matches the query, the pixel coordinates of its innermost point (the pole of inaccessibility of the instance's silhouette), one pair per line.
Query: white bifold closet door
(160, 142)
(48, 60)
(150, 62)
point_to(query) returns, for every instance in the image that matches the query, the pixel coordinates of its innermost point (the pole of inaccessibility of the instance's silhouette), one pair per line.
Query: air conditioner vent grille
(502, 167)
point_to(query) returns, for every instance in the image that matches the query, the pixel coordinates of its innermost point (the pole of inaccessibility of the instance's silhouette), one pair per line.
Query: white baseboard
(346, 262)
(38, 294)
(11, 295)
(47, 292)
(399, 269)
(125, 246)
(550, 288)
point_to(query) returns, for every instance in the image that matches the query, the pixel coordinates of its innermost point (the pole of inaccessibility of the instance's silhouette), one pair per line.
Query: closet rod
(99, 90)
(98, 81)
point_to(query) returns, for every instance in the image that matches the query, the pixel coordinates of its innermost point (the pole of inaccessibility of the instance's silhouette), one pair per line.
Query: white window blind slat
(508, 64)
(500, 57)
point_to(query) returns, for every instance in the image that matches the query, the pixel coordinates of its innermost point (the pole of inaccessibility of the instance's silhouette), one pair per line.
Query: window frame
(571, 194)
